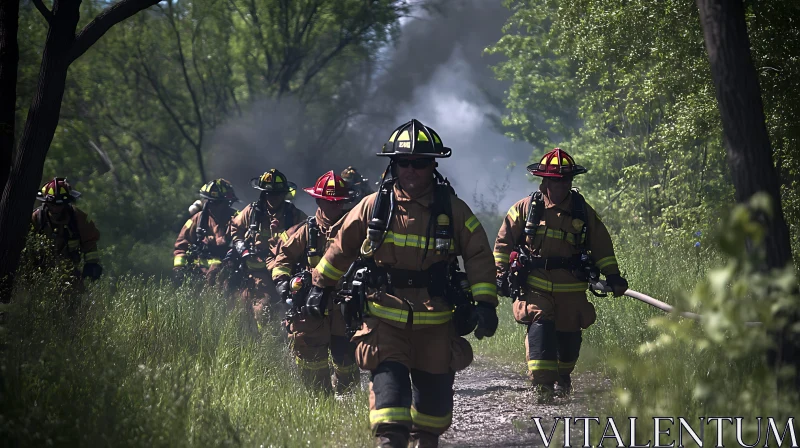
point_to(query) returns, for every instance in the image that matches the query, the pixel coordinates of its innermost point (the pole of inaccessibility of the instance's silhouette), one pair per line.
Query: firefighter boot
(346, 376)
(563, 387)
(544, 393)
(391, 436)
(315, 374)
(345, 379)
(423, 439)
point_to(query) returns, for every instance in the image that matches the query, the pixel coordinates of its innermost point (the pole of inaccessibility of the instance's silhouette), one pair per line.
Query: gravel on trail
(495, 406)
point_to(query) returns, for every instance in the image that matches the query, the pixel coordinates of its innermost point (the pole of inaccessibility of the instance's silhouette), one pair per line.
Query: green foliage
(626, 88)
(140, 106)
(719, 366)
(136, 362)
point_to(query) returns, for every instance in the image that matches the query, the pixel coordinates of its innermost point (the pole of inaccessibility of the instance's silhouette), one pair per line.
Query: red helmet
(57, 191)
(556, 163)
(330, 187)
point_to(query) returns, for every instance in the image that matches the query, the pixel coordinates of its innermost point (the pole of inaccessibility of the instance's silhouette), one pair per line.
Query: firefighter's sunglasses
(417, 164)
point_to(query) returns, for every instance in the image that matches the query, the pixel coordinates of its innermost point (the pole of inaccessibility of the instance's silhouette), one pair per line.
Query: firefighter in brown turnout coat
(403, 292)
(549, 246)
(312, 337)
(73, 235)
(256, 233)
(204, 239)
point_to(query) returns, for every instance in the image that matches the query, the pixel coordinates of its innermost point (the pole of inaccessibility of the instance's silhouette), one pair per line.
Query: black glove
(486, 314)
(503, 287)
(92, 271)
(316, 302)
(465, 319)
(230, 255)
(617, 283)
(284, 289)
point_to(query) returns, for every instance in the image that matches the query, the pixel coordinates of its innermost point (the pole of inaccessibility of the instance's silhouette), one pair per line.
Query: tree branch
(103, 22)
(46, 13)
(195, 102)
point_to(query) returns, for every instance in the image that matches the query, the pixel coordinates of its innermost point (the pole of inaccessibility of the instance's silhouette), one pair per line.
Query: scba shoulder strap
(313, 234)
(440, 223)
(536, 213)
(579, 214)
(202, 226)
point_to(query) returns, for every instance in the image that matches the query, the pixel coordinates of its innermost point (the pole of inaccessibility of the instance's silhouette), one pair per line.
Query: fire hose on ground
(602, 286)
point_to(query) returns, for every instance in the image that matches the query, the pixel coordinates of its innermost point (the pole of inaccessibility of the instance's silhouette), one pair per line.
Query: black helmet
(414, 138)
(352, 176)
(273, 181)
(218, 190)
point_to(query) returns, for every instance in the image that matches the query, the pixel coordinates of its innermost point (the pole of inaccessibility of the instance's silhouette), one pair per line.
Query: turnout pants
(311, 340)
(412, 374)
(259, 295)
(553, 339)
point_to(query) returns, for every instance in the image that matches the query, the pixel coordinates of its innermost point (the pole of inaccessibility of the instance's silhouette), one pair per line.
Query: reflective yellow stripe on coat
(484, 289)
(548, 286)
(500, 257)
(328, 270)
(280, 271)
(401, 315)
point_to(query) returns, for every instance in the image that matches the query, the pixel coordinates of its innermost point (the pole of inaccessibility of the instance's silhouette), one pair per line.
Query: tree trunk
(9, 61)
(745, 134)
(40, 126)
(62, 46)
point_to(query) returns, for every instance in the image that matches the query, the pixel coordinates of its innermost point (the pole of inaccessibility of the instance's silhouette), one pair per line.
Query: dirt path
(494, 406)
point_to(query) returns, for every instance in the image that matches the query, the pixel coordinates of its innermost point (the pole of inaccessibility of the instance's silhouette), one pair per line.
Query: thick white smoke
(435, 72)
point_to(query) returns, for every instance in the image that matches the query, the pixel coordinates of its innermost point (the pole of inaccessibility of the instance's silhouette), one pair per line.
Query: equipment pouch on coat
(461, 356)
(588, 315)
(366, 340)
(522, 311)
(532, 306)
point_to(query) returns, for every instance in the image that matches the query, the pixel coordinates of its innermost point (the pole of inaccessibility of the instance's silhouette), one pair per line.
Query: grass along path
(142, 364)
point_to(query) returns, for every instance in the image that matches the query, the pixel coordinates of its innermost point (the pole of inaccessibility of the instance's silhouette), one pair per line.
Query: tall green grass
(138, 363)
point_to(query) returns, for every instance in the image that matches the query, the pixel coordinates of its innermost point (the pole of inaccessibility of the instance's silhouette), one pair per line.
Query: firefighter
(357, 183)
(312, 337)
(404, 241)
(558, 243)
(204, 239)
(73, 235)
(256, 233)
